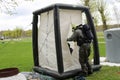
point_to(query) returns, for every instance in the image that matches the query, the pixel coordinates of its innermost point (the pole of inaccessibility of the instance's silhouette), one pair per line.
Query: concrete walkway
(104, 62)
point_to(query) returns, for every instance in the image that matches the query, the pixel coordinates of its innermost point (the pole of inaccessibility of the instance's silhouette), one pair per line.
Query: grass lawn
(106, 73)
(18, 53)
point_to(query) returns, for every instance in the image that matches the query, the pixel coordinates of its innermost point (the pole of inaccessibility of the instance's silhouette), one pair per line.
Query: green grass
(100, 34)
(106, 73)
(101, 39)
(102, 49)
(16, 54)
(102, 46)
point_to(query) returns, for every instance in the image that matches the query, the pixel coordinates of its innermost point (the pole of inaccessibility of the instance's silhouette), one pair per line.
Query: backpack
(88, 36)
(87, 33)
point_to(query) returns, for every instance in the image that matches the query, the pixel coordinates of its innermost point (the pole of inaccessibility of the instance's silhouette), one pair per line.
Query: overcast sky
(24, 10)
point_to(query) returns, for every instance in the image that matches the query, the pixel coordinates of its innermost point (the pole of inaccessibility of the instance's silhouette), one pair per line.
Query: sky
(23, 17)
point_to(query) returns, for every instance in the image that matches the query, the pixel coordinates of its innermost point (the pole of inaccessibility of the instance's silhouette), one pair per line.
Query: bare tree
(93, 9)
(8, 6)
(86, 2)
(103, 13)
(91, 4)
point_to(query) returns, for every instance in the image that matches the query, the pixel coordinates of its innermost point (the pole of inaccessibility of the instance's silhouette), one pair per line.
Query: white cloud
(114, 12)
(24, 11)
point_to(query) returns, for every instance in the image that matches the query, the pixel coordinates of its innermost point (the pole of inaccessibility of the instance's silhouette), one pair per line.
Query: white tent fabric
(46, 39)
(67, 18)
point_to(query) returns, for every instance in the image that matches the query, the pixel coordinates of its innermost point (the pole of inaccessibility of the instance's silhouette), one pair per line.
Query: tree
(96, 19)
(8, 6)
(6, 33)
(91, 4)
(103, 13)
(18, 32)
(93, 9)
(28, 33)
